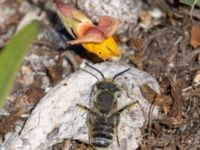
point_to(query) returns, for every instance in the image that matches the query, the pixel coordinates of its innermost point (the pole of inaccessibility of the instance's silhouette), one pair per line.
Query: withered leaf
(7, 123)
(148, 93)
(138, 45)
(195, 36)
(177, 97)
(153, 97)
(171, 122)
(164, 86)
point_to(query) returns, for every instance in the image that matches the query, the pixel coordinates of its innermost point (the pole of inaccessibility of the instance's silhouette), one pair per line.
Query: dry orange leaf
(195, 36)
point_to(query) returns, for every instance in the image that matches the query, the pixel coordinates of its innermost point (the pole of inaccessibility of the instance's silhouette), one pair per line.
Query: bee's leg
(84, 107)
(117, 136)
(87, 109)
(116, 122)
(89, 127)
(127, 107)
(89, 138)
(116, 118)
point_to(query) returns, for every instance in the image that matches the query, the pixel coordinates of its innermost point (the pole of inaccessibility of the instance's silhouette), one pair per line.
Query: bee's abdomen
(102, 135)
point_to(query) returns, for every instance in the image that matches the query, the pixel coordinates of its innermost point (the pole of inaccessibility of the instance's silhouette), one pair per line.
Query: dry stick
(194, 53)
(190, 88)
(195, 14)
(192, 8)
(150, 118)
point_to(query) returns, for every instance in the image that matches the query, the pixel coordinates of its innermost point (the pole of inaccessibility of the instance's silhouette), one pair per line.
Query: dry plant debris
(195, 36)
(164, 42)
(60, 118)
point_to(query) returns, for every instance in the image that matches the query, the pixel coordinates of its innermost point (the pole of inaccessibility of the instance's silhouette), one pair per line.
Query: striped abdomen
(102, 133)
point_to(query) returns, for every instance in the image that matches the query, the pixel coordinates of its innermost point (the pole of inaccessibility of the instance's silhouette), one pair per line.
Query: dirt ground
(163, 46)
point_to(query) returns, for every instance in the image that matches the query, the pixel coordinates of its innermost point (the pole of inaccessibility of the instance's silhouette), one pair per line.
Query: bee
(103, 114)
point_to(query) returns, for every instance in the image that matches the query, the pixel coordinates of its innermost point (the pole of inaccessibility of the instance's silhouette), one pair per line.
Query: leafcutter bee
(103, 114)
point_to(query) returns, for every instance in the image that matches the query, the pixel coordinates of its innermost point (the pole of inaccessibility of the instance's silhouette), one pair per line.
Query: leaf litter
(168, 49)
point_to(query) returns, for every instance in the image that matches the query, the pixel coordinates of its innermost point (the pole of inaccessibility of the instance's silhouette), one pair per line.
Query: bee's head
(106, 94)
(108, 86)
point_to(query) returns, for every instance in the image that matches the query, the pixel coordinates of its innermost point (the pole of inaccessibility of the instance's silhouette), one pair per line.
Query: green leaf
(190, 2)
(12, 55)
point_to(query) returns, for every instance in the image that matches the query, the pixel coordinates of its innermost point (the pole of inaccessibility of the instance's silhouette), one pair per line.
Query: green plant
(11, 57)
(191, 2)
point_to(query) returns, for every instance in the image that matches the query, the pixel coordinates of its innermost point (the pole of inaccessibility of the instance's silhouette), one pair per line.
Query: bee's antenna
(96, 70)
(118, 74)
(91, 74)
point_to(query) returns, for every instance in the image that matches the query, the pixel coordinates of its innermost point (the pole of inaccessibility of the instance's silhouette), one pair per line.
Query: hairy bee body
(103, 114)
(104, 120)
(102, 132)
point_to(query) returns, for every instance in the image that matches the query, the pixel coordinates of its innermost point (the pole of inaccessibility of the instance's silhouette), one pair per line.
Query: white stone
(56, 117)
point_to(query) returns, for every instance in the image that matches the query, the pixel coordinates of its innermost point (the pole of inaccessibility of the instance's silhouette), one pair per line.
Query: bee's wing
(129, 138)
(133, 118)
(128, 130)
